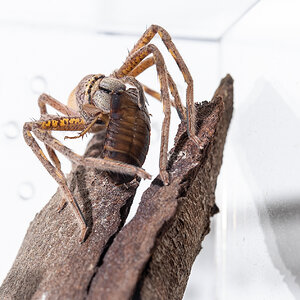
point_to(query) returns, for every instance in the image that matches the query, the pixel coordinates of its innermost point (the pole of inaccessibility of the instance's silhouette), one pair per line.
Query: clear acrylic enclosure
(253, 248)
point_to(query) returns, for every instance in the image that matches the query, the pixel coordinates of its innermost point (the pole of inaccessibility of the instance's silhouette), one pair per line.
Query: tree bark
(149, 258)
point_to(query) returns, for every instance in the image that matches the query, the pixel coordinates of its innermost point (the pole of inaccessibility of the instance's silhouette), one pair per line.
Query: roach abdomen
(128, 133)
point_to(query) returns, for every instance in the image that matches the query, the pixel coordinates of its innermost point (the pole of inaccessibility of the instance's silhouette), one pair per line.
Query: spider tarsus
(164, 177)
(62, 205)
(83, 235)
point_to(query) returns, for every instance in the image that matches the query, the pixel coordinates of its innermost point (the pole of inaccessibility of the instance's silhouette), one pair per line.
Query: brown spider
(99, 102)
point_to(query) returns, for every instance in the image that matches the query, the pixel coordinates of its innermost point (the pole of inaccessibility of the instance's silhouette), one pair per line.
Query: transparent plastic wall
(252, 249)
(258, 241)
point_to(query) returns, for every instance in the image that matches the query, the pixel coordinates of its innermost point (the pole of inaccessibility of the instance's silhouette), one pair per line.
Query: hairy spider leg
(98, 163)
(41, 130)
(167, 40)
(141, 67)
(177, 103)
(64, 109)
(55, 172)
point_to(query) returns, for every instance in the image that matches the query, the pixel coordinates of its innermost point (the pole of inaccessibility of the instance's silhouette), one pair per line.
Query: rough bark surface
(51, 264)
(151, 257)
(166, 276)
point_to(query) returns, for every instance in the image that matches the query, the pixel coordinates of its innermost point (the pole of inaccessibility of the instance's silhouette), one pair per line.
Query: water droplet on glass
(11, 130)
(26, 190)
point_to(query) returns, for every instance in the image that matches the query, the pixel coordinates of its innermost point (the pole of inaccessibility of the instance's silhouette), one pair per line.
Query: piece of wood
(151, 257)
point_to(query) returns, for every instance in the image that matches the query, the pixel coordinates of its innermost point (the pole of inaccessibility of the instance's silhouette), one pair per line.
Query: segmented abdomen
(128, 132)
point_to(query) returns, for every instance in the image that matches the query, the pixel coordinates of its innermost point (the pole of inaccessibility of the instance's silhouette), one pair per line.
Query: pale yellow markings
(54, 123)
(28, 133)
(78, 121)
(43, 155)
(46, 124)
(63, 122)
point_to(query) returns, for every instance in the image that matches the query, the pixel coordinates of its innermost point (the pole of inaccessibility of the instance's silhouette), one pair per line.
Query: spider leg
(58, 124)
(44, 100)
(154, 93)
(64, 109)
(142, 66)
(145, 64)
(166, 38)
(57, 174)
(40, 131)
(127, 67)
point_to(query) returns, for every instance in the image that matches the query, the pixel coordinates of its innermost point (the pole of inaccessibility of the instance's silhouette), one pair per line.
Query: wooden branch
(151, 257)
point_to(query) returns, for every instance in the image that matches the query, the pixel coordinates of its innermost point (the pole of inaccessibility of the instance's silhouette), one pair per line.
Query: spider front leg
(41, 130)
(44, 100)
(56, 173)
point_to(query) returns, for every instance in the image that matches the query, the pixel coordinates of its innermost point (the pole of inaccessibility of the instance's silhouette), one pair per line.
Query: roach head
(97, 90)
(102, 96)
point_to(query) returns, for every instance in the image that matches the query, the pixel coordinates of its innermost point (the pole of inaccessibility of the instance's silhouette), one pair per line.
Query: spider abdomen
(128, 133)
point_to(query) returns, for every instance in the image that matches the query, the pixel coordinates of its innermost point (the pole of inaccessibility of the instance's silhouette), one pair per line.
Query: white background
(253, 249)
